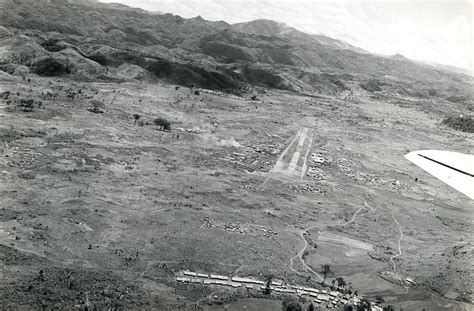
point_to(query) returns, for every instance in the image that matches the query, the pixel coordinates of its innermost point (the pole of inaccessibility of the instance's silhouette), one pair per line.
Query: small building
(313, 290)
(203, 275)
(277, 283)
(323, 297)
(219, 277)
(189, 273)
(410, 281)
(246, 280)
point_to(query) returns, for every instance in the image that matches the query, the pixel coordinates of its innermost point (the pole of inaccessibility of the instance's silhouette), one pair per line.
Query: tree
(165, 124)
(341, 282)
(136, 116)
(267, 289)
(291, 305)
(389, 308)
(325, 270)
(311, 307)
(379, 299)
(364, 305)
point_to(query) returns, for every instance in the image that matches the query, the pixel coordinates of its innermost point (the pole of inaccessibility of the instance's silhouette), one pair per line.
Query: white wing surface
(453, 168)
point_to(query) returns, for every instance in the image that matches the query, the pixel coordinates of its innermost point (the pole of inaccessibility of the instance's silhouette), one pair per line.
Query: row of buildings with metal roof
(331, 299)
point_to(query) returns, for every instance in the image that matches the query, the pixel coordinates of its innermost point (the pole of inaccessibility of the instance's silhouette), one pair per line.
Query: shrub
(53, 45)
(456, 98)
(26, 104)
(340, 84)
(460, 123)
(372, 85)
(97, 106)
(432, 92)
(165, 124)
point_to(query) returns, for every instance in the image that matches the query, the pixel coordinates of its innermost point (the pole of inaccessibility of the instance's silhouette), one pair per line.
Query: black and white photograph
(254, 155)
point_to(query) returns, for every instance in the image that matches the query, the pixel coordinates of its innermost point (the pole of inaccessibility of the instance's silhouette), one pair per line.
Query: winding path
(300, 255)
(353, 217)
(399, 253)
(301, 252)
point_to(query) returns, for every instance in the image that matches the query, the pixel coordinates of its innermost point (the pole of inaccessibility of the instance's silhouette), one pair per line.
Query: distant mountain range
(98, 40)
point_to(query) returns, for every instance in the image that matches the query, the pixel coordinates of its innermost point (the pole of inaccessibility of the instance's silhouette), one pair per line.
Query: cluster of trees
(49, 66)
(292, 304)
(160, 122)
(338, 282)
(460, 123)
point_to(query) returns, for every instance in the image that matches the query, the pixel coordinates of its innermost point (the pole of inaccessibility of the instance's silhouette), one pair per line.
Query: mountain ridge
(257, 53)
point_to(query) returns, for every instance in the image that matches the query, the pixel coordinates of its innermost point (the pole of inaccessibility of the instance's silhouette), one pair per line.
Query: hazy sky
(431, 31)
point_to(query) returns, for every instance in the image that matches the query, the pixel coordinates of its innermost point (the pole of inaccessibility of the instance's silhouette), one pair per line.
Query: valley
(122, 206)
(137, 145)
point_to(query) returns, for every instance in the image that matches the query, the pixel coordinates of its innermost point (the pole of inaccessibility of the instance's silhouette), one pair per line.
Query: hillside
(208, 54)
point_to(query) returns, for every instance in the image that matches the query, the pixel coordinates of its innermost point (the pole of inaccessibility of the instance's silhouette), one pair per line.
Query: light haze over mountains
(428, 31)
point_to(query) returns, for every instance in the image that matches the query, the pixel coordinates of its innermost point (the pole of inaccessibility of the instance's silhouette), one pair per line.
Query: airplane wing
(453, 168)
